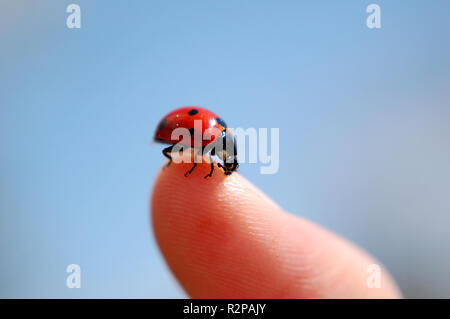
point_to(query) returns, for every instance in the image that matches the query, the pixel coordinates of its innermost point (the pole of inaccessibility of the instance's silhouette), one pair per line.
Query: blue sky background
(364, 118)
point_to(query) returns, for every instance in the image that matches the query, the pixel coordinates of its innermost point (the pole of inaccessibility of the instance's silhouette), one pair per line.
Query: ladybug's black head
(228, 154)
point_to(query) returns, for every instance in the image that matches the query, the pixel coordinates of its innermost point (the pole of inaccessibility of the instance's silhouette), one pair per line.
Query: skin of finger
(223, 238)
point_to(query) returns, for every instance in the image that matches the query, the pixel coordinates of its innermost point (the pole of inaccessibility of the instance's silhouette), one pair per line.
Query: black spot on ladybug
(221, 122)
(193, 112)
(162, 124)
(192, 131)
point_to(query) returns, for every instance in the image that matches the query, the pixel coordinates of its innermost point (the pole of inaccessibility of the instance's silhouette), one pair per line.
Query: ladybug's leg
(167, 153)
(212, 167)
(199, 152)
(192, 168)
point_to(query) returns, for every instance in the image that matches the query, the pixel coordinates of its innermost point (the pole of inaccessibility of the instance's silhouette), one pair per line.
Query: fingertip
(223, 238)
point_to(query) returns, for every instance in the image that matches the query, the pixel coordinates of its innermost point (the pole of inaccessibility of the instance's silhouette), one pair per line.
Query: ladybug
(216, 138)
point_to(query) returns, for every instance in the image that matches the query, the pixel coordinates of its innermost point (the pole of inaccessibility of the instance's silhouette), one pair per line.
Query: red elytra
(211, 125)
(212, 128)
